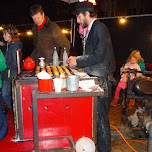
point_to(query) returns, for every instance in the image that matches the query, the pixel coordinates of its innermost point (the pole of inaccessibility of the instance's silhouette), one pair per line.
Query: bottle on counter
(65, 57)
(55, 57)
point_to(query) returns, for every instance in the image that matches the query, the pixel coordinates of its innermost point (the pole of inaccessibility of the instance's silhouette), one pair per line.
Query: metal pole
(74, 33)
(71, 34)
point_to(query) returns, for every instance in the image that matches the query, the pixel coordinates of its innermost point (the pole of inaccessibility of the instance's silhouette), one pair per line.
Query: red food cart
(48, 118)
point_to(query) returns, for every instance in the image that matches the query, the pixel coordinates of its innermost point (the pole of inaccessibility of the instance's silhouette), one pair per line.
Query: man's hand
(72, 61)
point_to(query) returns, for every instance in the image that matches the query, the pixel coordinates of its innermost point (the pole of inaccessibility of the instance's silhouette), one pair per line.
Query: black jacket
(99, 57)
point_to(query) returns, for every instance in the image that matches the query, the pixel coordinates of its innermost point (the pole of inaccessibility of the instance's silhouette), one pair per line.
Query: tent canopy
(70, 1)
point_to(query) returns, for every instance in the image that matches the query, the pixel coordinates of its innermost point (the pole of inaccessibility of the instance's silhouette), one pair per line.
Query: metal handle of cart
(136, 71)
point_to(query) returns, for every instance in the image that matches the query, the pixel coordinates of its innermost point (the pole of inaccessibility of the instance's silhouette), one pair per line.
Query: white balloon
(85, 144)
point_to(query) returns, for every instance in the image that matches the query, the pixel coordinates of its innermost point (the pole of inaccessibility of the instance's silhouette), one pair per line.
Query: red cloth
(16, 39)
(40, 26)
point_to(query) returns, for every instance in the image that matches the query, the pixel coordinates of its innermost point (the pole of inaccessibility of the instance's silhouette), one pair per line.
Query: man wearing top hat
(98, 60)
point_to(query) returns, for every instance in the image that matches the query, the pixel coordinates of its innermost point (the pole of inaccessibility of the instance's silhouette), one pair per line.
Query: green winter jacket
(142, 65)
(2, 65)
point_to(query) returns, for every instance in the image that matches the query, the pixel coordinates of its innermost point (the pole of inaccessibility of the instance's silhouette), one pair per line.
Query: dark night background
(17, 11)
(136, 34)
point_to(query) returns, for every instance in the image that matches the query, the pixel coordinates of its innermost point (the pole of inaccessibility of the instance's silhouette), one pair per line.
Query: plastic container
(45, 85)
(65, 57)
(55, 57)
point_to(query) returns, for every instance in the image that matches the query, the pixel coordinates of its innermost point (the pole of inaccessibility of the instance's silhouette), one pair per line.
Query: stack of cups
(57, 84)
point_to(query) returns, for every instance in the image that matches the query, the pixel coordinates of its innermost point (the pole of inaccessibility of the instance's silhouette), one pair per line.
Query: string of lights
(121, 19)
(130, 16)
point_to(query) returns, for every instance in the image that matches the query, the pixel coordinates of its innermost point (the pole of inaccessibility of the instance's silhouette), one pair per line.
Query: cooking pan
(142, 86)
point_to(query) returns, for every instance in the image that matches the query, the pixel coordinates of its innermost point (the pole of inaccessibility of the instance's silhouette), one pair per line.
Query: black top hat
(84, 6)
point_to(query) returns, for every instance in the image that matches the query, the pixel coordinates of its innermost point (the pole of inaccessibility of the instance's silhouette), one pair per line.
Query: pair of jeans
(103, 127)
(6, 93)
(3, 120)
(1, 111)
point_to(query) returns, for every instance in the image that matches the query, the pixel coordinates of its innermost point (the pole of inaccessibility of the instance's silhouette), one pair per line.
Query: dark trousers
(3, 120)
(6, 93)
(103, 127)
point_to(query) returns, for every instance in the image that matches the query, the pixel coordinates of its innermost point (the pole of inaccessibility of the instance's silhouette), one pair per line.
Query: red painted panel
(65, 117)
(26, 102)
(58, 116)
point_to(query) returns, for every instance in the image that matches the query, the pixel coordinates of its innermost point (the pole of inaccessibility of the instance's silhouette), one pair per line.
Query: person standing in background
(10, 35)
(3, 119)
(98, 61)
(47, 35)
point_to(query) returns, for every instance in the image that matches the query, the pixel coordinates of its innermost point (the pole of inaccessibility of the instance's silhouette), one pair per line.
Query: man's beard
(84, 25)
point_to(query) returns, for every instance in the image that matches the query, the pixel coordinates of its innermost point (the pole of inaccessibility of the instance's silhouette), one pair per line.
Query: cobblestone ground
(117, 143)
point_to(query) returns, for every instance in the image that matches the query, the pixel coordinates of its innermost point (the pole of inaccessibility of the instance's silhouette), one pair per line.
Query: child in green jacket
(3, 119)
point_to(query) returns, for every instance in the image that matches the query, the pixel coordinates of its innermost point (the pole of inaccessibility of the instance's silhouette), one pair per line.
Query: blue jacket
(11, 60)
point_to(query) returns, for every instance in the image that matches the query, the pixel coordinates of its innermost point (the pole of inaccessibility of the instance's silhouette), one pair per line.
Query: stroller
(140, 89)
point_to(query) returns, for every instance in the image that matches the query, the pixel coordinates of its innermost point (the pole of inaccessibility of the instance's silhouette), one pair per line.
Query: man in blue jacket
(98, 60)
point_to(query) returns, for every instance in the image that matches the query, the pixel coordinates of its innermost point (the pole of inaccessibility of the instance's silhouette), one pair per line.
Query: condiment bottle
(55, 57)
(65, 57)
